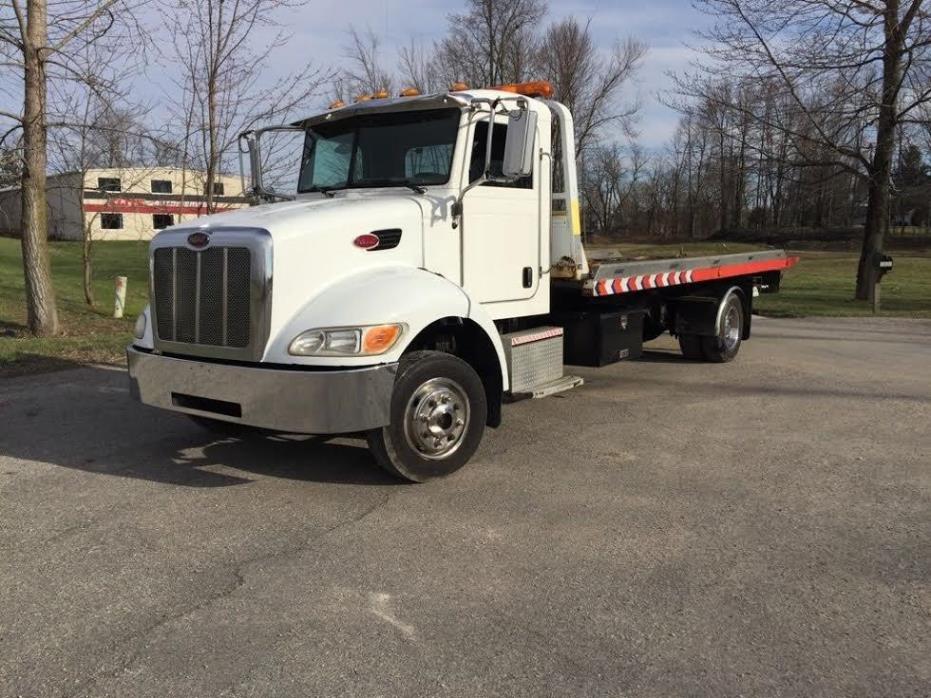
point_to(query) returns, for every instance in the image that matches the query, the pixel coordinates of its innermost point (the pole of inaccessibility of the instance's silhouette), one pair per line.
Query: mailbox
(883, 264)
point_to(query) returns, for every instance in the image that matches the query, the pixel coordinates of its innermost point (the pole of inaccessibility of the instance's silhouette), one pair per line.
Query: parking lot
(670, 528)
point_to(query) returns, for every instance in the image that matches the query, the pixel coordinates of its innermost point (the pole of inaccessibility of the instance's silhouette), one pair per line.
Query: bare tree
(418, 69)
(10, 170)
(586, 83)
(364, 73)
(854, 70)
(492, 42)
(222, 49)
(37, 45)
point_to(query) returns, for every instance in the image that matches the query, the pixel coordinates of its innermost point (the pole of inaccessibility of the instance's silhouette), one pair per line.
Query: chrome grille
(203, 296)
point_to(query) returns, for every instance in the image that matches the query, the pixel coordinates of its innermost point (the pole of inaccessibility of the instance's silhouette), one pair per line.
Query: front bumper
(288, 400)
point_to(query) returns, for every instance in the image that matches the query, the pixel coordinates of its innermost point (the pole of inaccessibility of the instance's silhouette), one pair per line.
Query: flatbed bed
(612, 276)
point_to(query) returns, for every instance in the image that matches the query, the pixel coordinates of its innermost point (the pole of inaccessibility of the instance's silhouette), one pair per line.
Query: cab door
(500, 224)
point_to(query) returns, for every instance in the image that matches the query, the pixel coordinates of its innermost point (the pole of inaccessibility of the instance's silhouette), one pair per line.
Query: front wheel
(438, 414)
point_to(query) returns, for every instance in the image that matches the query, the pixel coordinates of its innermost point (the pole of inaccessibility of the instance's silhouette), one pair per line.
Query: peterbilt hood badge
(198, 240)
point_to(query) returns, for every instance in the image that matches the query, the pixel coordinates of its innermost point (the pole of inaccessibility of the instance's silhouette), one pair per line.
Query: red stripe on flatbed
(623, 285)
(711, 273)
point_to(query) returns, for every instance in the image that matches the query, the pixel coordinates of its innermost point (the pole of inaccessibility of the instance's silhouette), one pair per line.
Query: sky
(318, 30)
(666, 26)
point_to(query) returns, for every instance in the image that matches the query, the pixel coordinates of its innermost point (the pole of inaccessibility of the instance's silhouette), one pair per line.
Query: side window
(477, 161)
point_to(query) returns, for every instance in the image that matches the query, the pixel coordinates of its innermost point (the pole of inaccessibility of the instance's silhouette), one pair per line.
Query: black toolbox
(598, 338)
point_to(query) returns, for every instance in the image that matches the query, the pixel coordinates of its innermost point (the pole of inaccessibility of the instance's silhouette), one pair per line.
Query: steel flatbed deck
(612, 277)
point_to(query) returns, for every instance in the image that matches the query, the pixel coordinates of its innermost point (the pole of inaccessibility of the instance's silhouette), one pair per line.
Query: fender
(400, 294)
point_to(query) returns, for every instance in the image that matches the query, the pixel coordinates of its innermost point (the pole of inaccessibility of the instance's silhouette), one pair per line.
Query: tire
(724, 346)
(218, 427)
(691, 347)
(438, 414)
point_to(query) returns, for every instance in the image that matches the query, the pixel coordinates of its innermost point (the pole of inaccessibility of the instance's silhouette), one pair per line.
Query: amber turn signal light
(380, 338)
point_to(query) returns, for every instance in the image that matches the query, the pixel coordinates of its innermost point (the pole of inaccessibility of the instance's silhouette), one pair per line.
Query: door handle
(528, 277)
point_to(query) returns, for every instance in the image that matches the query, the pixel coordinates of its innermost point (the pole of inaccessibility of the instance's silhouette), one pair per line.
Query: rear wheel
(438, 414)
(724, 346)
(690, 344)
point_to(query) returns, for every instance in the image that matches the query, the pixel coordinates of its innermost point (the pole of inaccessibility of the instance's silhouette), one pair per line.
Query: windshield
(380, 150)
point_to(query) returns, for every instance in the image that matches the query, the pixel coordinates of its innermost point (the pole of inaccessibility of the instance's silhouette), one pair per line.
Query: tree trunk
(41, 311)
(722, 175)
(212, 154)
(877, 207)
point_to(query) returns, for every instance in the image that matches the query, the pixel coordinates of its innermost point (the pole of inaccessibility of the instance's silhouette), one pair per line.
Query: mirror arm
(489, 137)
(457, 206)
(253, 139)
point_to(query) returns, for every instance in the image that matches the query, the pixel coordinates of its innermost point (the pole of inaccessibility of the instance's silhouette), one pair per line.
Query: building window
(161, 186)
(162, 220)
(218, 189)
(111, 221)
(109, 184)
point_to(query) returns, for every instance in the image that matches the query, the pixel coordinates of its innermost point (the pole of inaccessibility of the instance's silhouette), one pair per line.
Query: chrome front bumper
(298, 401)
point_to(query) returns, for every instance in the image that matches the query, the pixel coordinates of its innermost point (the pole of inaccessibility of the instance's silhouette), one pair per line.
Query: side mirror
(518, 144)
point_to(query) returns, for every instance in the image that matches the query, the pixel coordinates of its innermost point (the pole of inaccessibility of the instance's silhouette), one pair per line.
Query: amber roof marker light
(409, 92)
(534, 88)
(458, 87)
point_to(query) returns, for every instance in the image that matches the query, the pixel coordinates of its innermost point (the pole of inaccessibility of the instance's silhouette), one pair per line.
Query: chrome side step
(559, 385)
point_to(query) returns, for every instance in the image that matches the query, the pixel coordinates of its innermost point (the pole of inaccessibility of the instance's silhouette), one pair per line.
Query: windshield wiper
(326, 191)
(370, 183)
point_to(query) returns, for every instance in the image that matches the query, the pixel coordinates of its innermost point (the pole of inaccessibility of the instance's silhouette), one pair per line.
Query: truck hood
(312, 241)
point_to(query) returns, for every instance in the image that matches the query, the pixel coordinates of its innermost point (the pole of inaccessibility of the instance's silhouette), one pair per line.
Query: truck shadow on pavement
(309, 459)
(84, 419)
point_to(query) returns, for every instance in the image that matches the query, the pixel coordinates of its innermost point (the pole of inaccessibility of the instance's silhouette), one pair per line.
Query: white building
(122, 203)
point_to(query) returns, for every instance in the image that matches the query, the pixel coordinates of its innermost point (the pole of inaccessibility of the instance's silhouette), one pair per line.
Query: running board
(535, 363)
(560, 385)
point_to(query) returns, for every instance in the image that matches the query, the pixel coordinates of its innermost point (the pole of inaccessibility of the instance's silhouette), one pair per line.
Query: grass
(821, 284)
(88, 335)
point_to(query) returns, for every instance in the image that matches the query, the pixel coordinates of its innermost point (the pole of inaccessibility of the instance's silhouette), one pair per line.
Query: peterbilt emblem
(198, 240)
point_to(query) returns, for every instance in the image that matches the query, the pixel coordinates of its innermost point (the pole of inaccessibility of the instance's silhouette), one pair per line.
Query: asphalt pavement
(671, 528)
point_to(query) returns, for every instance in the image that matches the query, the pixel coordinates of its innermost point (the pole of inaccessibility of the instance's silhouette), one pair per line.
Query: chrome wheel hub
(730, 329)
(436, 418)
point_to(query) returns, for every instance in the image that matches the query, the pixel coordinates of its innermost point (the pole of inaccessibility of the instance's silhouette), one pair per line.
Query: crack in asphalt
(238, 572)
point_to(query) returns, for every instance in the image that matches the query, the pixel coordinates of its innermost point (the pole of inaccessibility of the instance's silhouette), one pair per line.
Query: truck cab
(405, 289)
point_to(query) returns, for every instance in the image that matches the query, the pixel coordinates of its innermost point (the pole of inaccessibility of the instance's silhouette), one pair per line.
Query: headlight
(139, 329)
(346, 341)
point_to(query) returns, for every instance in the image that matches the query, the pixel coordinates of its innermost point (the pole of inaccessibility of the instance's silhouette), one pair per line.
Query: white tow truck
(429, 268)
